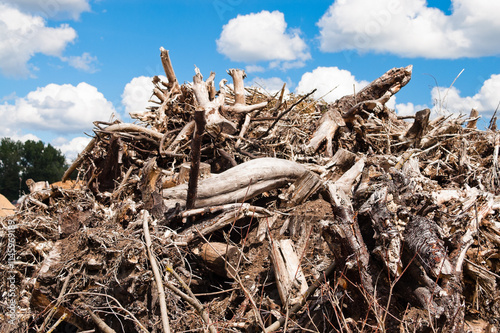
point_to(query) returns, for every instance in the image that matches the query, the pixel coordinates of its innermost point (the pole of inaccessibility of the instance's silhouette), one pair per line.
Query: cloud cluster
(410, 28)
(71, 148)
(260, 37)
(63, 109)
(331, 83)
(138, 92)
(449, 100)
(23, 35)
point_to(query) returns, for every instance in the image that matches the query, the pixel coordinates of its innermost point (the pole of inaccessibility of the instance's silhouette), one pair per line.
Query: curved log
(239, 183)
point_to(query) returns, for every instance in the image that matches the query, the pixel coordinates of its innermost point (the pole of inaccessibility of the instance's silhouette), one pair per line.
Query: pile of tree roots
(232, 209)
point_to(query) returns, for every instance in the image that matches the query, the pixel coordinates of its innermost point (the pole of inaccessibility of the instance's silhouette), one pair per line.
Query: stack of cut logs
(231, 209)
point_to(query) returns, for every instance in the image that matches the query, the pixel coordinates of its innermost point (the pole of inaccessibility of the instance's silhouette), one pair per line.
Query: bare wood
(156, 272)
(99, 322)
(473, 118)
(419, 127)
(239, 183)
(184, 172)
(221, 258)
(239, 105)
(328, 125)
(290, 279)
(169, 71)
(302, 189)
(211, 107)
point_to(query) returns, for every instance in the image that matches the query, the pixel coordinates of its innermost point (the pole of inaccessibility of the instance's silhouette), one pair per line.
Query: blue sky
(66, 63)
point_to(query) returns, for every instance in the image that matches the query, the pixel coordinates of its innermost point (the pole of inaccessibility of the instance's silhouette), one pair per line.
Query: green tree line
(32, 159)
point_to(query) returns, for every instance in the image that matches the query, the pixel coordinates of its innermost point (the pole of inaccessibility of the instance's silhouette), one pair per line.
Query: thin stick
(157, 274)
(287, 111)
(103, 327)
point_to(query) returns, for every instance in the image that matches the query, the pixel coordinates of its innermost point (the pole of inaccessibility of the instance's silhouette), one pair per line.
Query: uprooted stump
(306, 216)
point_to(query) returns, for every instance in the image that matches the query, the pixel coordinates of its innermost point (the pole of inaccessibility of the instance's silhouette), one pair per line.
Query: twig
(157, 274)
(103, 327)
(285, 112)
(191, 299)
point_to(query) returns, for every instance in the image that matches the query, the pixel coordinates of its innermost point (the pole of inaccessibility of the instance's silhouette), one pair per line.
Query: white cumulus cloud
(448, 100)
(485, 100)
(412, 29)
(23, 35)
(57, 108)
(138, 92)
(331, 83)
(262, 37)
(53, 9)
(71, 148)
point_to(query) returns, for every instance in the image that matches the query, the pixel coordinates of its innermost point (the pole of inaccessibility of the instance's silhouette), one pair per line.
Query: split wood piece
(220, 258)
(482, 276)
(342, 160)
(328, 125)
(150, 186)
(184, 172)
(215, 121)
(387, 236)
(169, 71)
(239, 183)
(302, 189)
(473, 118)
(422, 238)
(374, 96)
(419, 127)
(156, 272)
(240, 105)
(290, 279)
(350, 177)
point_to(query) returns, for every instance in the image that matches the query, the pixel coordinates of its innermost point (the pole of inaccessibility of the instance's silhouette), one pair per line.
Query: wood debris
(232, 209)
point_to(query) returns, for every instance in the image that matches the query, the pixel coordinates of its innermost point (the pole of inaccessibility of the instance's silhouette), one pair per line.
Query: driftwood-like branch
(328, 125)
(211, 107)
(169, 71)
(240, 105)
(240, 183)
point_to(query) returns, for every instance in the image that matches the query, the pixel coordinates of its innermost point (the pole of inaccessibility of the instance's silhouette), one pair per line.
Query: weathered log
(240, 183)
(290, 280)
(374, 96)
